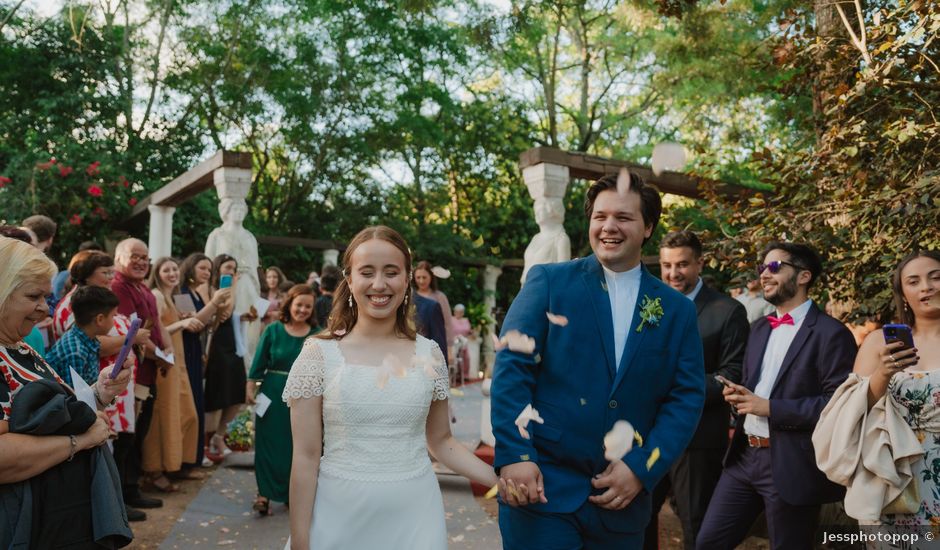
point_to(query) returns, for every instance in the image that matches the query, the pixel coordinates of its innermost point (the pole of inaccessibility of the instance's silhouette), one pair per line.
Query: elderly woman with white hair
(54, 474)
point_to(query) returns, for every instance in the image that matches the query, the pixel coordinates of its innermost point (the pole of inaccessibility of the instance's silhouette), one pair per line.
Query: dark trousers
(745, 489)
(691, 480)
(132, 462)
(525, 529)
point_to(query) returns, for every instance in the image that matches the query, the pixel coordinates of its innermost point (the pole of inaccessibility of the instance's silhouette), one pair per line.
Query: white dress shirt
(623, 289)
(698, 288)
(777, 346)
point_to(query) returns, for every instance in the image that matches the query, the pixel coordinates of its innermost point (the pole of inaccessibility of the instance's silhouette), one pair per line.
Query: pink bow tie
(775, 322)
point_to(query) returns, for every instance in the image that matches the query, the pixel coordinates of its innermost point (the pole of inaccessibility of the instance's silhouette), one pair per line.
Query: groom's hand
(622, 486)
(521, 483)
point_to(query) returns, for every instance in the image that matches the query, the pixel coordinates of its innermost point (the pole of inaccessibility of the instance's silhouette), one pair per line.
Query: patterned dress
(917, 394)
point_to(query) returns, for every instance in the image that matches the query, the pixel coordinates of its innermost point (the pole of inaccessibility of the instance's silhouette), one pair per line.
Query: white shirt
(623, 289)
(777, 346)
(698, 288)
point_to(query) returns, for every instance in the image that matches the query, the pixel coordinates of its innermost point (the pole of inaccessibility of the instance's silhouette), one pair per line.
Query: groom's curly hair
(651, 204)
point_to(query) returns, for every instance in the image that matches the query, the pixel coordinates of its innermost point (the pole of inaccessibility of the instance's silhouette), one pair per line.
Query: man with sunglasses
(794, 362)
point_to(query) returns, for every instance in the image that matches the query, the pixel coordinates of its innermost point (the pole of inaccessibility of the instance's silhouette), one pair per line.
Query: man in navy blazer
(793, 364)
(629, 351)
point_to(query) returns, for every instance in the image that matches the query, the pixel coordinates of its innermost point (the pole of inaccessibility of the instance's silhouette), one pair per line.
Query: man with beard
(723, 326)
(794, 362)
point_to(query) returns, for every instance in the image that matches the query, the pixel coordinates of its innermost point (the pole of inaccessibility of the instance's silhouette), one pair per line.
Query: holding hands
(521, 484)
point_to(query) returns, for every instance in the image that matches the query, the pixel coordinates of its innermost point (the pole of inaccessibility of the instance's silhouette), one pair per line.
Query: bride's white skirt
(378, 515)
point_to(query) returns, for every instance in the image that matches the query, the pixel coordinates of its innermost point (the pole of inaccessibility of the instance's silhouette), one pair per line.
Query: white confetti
(440, 272)
(522, 421)
(391, 366)
(618, 441)
(559, 320)
(516, 341)
(623, 181)
(668, 156)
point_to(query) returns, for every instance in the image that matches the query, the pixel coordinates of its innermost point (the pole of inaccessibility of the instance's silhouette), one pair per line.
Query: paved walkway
(221, 515)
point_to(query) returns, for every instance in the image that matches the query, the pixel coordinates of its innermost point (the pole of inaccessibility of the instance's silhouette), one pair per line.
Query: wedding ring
(893, 360)
(897, 365)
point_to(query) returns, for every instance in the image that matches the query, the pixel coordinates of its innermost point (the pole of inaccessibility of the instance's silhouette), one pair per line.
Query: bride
(371, 397)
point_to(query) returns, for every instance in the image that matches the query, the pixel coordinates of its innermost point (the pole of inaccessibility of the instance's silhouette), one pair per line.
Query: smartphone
(225, 281)
(894, 333)
(723, 381)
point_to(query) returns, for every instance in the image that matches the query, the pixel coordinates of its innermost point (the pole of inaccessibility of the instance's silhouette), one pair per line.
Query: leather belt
(758, 441)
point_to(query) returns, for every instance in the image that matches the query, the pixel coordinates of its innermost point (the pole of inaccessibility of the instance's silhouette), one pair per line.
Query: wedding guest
(58, 465)
(61, 281)
(94, 309)
(794, 362)
(324, 304)
(196, 272)
(426, 283)
(368, 402)
(44, 229)
(132, 260)
(723, 328)
(174, 431)
(889, 409)
(34, 339)
(460, 326)
(274, 279)
(225, 369)
(279, 347)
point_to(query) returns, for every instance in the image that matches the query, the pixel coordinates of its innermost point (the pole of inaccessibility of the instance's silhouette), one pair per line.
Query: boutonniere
(651, 311)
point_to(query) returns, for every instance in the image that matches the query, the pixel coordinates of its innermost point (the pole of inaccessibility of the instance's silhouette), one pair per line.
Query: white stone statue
(236, 241)
(551, 244)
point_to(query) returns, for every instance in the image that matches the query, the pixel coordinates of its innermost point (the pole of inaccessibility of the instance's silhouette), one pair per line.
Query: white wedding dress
(375, 489)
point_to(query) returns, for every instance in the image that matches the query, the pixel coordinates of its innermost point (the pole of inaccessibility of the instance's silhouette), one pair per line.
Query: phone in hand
(899, 332)
(724, 381)
(225, 281)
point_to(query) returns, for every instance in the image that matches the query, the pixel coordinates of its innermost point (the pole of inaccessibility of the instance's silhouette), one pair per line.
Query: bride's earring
(406, 298)
(350, 301)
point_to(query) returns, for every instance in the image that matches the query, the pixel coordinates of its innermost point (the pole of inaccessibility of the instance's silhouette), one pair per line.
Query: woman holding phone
(225, 370)
(900, 367)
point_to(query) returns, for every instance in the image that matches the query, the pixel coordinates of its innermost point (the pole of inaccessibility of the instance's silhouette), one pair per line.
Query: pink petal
(440, 272)
(559, 320)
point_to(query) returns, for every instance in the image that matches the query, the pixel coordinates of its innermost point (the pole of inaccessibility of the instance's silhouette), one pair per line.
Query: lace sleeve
(306, 375)
(442, 378)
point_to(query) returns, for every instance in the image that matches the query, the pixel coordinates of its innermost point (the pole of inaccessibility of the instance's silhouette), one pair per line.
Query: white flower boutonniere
(651, 312)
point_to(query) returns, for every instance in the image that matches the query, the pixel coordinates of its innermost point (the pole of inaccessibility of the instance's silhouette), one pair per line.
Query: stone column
(547, 184)
(490, 276)
(160, 240)
(331, 257)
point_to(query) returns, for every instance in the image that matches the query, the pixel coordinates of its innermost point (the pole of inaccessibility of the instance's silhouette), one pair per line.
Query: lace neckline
(342, 357)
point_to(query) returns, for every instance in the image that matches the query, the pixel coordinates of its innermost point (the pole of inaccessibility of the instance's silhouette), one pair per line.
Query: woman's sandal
(160, 483)
(262, 505)
(186, 474)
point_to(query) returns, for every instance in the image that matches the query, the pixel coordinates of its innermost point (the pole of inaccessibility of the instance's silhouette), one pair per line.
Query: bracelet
(73, 446)
(98, 397)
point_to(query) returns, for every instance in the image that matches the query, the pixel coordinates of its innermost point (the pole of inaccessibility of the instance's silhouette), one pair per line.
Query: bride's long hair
(343, 317)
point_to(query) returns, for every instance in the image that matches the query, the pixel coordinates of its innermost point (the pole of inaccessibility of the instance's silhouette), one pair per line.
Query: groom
(630, 350)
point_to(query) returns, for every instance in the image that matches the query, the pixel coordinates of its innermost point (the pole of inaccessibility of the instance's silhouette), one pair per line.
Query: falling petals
(623, 181)
(515, 341)
(494, 490)
(426, 364)
(559, 320)
(638, 438)
(654, 456)
(522, 421)
(618, 441)
(667, 156)
(391, 366)
(440, 272)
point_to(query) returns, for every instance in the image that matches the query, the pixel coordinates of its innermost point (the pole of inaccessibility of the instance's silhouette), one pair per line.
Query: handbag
(907, 503)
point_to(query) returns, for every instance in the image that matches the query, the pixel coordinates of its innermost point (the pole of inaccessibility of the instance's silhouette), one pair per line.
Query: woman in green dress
(279, 346)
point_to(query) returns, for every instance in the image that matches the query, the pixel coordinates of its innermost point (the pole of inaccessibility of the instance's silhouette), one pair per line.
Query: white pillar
(490, 276)
(331, 257)
(161, 230)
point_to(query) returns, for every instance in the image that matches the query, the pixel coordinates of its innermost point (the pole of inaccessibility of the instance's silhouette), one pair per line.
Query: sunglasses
(775, 267)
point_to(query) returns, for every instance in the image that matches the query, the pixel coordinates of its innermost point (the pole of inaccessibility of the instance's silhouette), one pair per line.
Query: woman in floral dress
(911, 377)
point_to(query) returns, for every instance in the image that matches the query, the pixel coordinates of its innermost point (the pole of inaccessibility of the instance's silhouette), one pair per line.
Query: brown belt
(758, 441)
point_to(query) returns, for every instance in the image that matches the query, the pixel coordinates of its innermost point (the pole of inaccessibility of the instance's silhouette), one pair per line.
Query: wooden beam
(590, 167)
(313, 244)
(192, 182)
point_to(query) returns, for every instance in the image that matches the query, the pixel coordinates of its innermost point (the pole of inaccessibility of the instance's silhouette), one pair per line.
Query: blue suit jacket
(572, 381)
(817, 362)
(429, 321)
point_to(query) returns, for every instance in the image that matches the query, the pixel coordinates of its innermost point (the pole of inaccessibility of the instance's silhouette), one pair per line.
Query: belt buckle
(758, 441)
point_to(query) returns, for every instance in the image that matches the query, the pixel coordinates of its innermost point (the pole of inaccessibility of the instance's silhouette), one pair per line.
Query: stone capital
(232, 183)
(546, 180)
